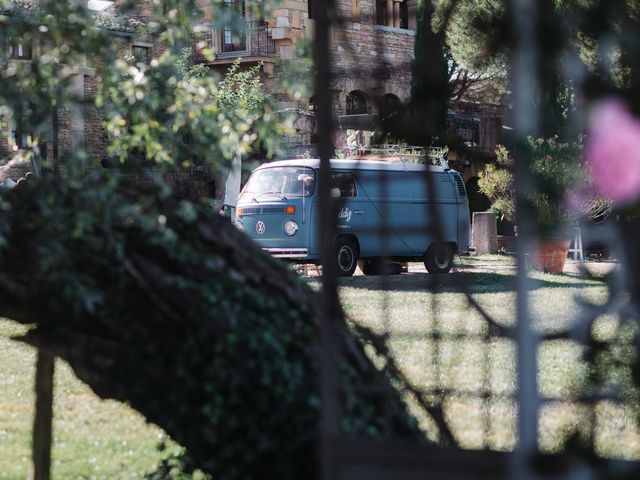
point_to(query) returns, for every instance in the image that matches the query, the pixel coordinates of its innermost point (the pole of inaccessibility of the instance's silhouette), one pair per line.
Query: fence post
(43, 417)
(526, 123)
(576, 250)
(41, 437)
(324, 13)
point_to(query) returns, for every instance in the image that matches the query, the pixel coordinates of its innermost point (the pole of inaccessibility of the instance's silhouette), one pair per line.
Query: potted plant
(556, 199)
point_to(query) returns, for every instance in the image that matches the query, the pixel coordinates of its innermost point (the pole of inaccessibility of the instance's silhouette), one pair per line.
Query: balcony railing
(254, 41)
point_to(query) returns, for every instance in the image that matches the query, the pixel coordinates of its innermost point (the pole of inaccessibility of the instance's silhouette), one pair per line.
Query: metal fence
(436, 348)
(517, 404)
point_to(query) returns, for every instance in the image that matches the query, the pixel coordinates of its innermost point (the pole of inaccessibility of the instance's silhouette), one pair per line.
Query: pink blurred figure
(613, 151)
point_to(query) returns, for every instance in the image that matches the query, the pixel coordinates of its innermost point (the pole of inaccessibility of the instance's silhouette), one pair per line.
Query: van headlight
(290, 227)
(239, 226)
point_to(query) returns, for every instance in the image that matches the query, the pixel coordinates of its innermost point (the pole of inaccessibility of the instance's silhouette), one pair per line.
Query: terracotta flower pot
(550, 255)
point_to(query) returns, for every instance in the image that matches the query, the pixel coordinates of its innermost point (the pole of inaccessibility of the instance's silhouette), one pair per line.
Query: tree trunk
(164, 305)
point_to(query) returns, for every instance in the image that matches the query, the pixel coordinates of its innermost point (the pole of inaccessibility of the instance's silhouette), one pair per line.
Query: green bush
(559, 192)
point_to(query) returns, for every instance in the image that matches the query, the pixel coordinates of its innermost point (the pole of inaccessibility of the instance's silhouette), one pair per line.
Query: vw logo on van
(260, 227)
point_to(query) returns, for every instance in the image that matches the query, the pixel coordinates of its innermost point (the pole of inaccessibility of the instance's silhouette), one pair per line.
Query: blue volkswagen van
(385, 212)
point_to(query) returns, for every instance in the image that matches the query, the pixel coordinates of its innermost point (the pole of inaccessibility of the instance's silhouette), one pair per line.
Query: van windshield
(282, 181)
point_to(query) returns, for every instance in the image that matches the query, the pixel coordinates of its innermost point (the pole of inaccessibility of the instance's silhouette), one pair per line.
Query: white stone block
(278, 33)
(282, 22)
(484, 236)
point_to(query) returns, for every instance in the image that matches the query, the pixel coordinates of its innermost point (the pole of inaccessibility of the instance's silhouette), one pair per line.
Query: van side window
(345, 182)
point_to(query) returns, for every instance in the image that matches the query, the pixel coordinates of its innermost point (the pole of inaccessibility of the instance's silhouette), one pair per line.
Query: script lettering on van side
(344, 214)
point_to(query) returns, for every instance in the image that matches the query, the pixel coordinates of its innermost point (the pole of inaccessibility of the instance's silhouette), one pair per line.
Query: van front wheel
(439, 258)
(346, 257)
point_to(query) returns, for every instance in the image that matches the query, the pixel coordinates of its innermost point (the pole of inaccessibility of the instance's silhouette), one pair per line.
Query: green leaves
(241, 89)
(153, 300)
(174, 115)
(180, 116)
(55, 39)
(557, 172)
(496, 182)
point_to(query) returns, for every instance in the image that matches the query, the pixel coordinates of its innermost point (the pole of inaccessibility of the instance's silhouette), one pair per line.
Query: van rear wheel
(346, 257)
(439, 258)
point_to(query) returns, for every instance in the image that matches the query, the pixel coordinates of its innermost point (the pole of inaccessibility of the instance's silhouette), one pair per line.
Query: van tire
(439, 258)
(346, 257)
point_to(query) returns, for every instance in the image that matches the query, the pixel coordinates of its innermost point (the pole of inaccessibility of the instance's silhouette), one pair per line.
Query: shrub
(560, 190)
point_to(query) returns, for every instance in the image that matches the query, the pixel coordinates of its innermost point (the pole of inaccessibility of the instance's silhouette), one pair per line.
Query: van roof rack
(399, 153)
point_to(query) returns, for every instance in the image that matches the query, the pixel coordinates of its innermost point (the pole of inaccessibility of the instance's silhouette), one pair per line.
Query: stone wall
(368, 58)
(372, 59)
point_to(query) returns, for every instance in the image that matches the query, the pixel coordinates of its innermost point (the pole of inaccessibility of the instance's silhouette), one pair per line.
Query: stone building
(75, 125)
(372, 49)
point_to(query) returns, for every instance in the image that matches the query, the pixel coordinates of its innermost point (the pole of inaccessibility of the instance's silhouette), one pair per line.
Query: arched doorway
(389, 106)
(357, 103)
(313, 102)
(388, 113)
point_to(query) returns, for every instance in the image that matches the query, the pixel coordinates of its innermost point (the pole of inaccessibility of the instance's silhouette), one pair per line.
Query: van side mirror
(335, 192)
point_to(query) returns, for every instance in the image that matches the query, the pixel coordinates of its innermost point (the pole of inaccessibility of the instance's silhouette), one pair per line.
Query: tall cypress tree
(430, 89)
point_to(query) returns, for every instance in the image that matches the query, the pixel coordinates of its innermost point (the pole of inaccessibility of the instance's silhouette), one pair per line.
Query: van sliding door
(354, 212)
(388, 198)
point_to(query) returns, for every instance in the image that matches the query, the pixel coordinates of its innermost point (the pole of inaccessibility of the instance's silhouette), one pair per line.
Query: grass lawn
(94, 439)
(439, 341)
(442, 345)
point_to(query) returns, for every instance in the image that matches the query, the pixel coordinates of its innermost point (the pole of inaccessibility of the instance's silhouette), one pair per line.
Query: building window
(344, 182)
(141, 53)
(392, 13)
(19, 50)
(310, 8)
(355, 10)
(233, 40)
(22, 130)
(356, 103)
(99, 5)
(404, 15)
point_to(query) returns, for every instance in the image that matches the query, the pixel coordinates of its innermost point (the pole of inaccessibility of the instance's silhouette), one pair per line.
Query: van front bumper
(293, 253)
